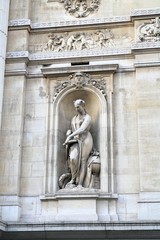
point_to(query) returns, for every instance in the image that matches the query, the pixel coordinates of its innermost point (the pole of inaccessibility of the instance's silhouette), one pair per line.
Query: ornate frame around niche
(98, 88)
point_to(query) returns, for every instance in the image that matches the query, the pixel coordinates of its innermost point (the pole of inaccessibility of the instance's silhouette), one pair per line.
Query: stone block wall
(40, 57)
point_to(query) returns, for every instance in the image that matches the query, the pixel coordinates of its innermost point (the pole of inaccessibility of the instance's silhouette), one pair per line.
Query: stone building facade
(106, 52)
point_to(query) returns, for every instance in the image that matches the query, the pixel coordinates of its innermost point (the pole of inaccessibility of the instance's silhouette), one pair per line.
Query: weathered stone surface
(116, 51)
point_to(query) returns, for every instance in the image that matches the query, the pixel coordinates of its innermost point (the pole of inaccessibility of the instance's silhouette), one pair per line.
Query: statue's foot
(79, 187)
(70, 185)
(72, 181)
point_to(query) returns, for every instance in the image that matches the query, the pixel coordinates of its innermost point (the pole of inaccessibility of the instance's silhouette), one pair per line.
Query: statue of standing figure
(83, 162)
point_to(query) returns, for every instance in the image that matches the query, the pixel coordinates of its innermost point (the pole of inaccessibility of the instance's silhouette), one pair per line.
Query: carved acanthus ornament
(80, 8)
(79, 81)
(79, 41)
(150, 32)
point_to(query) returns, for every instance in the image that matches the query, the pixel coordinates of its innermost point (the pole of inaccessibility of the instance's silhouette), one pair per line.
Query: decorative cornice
(93, 21)
(19, 54)
(74, 54)
(43, 56)
(147, 64)
(47, 25)
(145, 12)
(145, 46)
(44, 26)
(19, 22)
(47, 56)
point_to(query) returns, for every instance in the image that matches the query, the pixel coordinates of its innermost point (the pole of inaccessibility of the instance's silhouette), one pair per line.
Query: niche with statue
(80, 135)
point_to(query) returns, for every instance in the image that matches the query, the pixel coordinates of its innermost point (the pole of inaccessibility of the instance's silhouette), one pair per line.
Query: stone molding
(93, 229)
(64, 55)
(78, 195)
(16, 73)
(19, 22)
(44, 56)
(145, 45)
(132, 225)
(18, 54)
(51, 71)
(145, 12)
(38, 26)
(147, 64)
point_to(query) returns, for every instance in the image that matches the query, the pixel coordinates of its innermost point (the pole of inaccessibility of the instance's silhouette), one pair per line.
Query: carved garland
(80, 80)
(80, 8)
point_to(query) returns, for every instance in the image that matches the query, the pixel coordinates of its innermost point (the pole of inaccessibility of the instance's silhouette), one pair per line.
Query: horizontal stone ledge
(78, 195)
(146, 64)
(10, 204)
(145, 13)
(137, 13)
(21, 23)
(46, 56)
(149, 201)
(48, 71)
(89, 226)
(16, 73)
(145, 46)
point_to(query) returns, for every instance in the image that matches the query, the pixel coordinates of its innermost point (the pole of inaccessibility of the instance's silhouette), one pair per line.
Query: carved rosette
(79, 81)
(149, 32)
(80, 8)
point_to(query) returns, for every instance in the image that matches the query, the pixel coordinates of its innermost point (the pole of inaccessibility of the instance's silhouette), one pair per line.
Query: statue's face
(79, 108)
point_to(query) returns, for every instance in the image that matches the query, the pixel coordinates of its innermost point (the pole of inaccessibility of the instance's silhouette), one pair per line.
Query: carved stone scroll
(149, 32)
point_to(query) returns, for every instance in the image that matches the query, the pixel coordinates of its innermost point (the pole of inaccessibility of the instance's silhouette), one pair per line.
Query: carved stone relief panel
(81, 41)
(80, 8)
(149, 32)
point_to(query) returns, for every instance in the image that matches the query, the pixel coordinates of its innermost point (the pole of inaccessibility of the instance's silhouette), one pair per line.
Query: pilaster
(4, 10)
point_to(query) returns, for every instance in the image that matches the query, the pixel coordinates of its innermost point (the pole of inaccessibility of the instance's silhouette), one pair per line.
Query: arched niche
(96, 106)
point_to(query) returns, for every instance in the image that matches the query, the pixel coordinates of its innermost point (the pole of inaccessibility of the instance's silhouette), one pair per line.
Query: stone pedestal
(82, 207)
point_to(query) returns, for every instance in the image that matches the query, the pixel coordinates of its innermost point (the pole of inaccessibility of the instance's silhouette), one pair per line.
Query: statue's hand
(67, 140)
(68, 132)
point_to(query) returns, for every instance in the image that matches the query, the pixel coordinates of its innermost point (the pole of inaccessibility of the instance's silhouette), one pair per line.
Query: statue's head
(79, 102)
